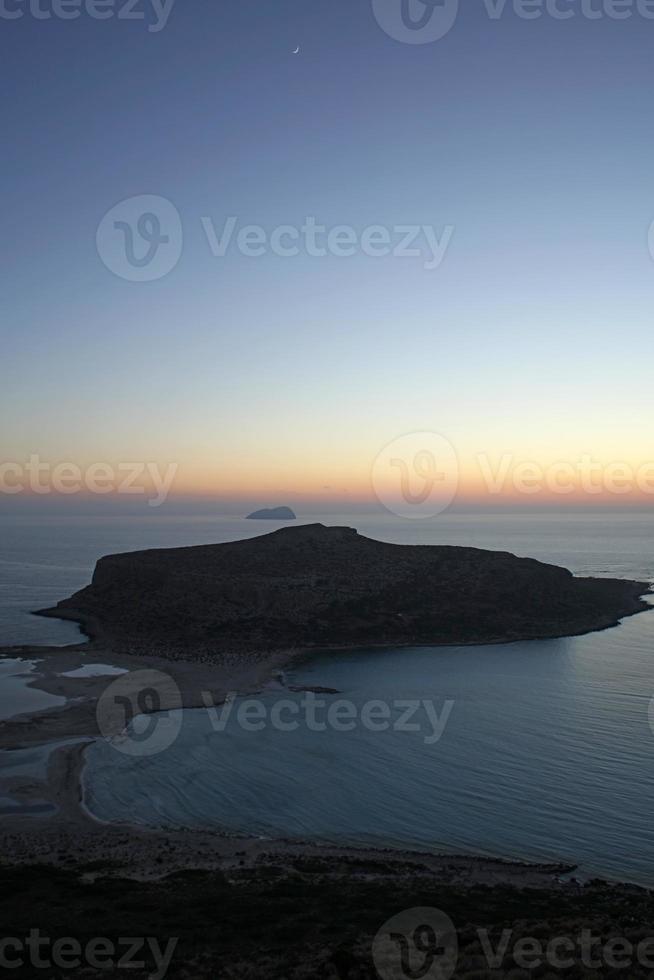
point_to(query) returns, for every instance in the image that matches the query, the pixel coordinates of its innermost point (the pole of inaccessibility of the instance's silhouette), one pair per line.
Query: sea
(540, 750)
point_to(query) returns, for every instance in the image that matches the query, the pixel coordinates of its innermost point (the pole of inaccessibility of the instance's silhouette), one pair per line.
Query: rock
(272, 514)
(313, 586)
(312, 690)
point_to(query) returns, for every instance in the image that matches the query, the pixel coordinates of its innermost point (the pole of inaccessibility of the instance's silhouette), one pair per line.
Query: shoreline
(317, 587)
(90, 628)
(74, 834)
(77, 716)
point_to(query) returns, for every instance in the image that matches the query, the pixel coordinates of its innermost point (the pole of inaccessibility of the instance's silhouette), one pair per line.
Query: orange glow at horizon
(476, 480)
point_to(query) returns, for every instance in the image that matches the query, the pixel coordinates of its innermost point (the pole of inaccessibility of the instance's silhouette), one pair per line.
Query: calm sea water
(15, 694)
(45, 559)
(547, 752)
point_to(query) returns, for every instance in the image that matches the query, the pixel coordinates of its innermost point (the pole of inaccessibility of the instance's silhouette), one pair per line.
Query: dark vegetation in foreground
(312, 919)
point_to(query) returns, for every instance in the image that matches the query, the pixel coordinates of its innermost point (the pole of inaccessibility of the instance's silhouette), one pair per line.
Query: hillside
(317, 586)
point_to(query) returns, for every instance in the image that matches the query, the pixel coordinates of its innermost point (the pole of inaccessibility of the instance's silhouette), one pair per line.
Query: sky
(521, 331)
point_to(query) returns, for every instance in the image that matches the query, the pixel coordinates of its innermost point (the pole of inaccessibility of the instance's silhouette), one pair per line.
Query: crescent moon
(297, 50)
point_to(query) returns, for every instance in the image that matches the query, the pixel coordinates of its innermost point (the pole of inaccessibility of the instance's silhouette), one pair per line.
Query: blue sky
(531, 138)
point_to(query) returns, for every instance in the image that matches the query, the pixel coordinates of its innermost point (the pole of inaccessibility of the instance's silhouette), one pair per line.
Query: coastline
(77, 716)
(75, 835)
(91, 628)
(317, 587)
(240, 672)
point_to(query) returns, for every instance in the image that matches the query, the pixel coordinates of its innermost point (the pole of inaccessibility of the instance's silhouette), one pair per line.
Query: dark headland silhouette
(272, 514)
(316, 586)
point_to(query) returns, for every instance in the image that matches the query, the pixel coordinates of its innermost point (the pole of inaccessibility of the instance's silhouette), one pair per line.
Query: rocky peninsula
(312, 586)
(222, 618)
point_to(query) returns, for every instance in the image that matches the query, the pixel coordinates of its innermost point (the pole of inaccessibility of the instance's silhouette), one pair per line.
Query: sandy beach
(232, 673)
(72, 835)
(312, 907)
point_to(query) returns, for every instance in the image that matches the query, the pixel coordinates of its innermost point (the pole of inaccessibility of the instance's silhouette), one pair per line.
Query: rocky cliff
(316, 586)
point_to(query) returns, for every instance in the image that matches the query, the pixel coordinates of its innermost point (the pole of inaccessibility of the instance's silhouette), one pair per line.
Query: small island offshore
(272, 514)
(224, 618)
